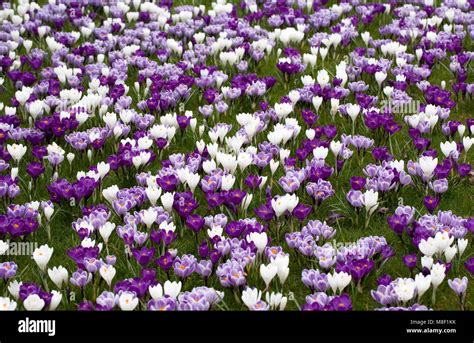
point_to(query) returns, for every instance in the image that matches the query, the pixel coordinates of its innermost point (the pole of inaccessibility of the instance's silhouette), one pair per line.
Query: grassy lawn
(459, 198)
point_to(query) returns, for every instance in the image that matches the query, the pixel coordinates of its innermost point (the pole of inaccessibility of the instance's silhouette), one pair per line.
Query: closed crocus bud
(438, 272)
(259, 239)
(268, 272)
(156, 291)
(467, 143)
(427, 247)
(317, 101)
(103, 169)
(153, 194)
(167, 199)
(14, 173)
(148, 216)
(33, 303)
(193, 180)
(370, 200)
(42, 255)
(70, 157)
(172, 289)
(247, 201)
(339, 281)
(462, 244)
(108, 273)
(427, 262)
(335, 147)
(450, 252)
(128, 301)
(365, 37)
(282, 262)
(264, 181)
(193, 124)
(323, 52)
(387, 90)
(273, 166)
(48, 212)
(276, 301)
(55, 300)
(58, 275)
(14, 288)
(202, 128)
(310, 133)
(227, 182)
(380, 77)
(422, 284)
(353, 111)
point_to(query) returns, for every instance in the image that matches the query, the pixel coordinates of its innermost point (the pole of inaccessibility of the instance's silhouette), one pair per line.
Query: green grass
(459, 199)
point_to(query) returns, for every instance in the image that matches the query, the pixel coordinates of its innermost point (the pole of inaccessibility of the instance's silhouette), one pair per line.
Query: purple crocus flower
(195, 222)
(357, 182)
(431, 203)
(469, 264)
(459, 286)
(8, 270)
(80, 278)
(184, 266)
(341, 303)
(355, 198)
(162, 304)
(301, 211)
(397, 223)
(144, 255)
(165, 261)
(410, 260)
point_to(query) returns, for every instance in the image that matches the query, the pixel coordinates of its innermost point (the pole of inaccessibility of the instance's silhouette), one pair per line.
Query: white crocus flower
(259, 239)
(33, 303)
(268, 272)
(422, 284)
(128, 301)
(370, 200)
(339, 281)
(405, 289)
(55, 300)
(156, 291)
(172, 289)
(42, 255)
(58, 275)
(16, 151)
(6, 304)
(250, 296)
(108, 273)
